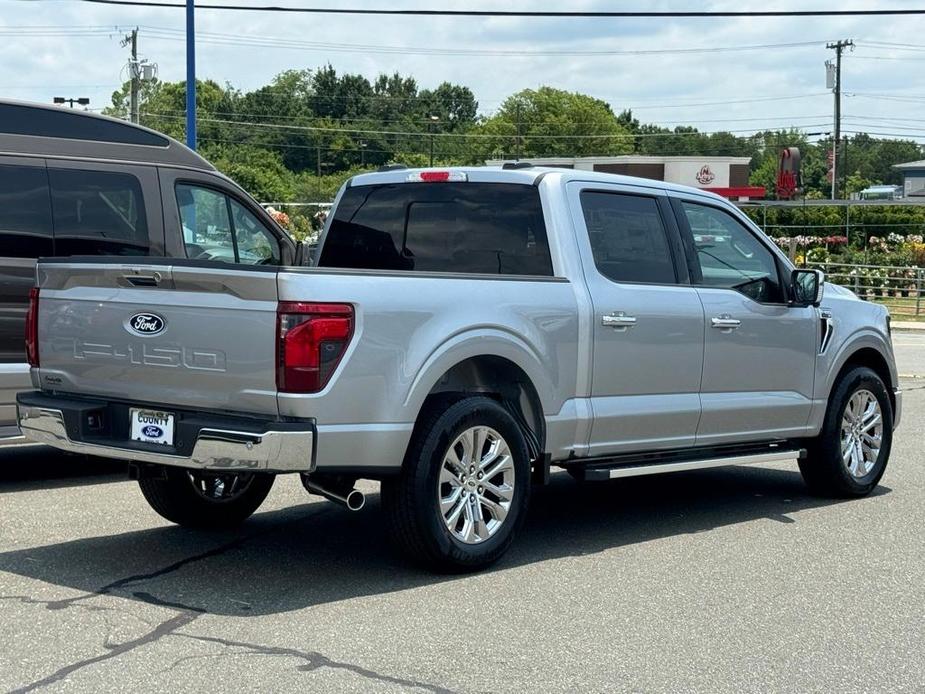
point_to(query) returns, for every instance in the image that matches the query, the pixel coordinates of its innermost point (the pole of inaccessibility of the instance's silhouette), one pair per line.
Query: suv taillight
(311, 339)
(32, 328)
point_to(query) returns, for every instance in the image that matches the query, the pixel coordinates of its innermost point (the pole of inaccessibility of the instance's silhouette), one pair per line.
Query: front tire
(212, 501)
(850, 455)
(464, 487)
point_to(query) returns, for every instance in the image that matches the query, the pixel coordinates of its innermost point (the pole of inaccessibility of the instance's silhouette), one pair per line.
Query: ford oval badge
(152, 432)
(146, 324)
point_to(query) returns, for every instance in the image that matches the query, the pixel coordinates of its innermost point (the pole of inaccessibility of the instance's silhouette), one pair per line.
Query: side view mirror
(806, 287)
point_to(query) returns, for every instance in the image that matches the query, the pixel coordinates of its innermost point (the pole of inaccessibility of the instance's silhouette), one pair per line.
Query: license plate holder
(151, 426)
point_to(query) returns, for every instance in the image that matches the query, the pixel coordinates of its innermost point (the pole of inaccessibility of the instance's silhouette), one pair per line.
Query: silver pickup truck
(461, 331)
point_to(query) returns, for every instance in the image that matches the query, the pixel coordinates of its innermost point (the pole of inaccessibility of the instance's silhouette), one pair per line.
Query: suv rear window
(25, 212)
(98, 213)
(488, 228)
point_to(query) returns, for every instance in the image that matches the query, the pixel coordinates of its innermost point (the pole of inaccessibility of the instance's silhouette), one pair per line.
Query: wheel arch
(871, 357)
(498, 368)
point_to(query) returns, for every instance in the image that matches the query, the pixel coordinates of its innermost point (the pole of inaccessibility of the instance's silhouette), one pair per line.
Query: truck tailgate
(179, 334)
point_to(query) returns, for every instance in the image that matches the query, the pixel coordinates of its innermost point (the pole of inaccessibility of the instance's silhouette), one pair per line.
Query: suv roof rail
(517, 165)
(391, 167)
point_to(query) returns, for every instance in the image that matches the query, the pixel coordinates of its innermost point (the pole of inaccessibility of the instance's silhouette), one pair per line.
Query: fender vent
(825, 330)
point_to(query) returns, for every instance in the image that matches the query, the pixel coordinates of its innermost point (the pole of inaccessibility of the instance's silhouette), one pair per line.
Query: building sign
(705, 176)
(700, 172)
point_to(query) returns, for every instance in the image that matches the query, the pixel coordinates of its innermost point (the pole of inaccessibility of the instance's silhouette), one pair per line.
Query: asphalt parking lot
(731, 579)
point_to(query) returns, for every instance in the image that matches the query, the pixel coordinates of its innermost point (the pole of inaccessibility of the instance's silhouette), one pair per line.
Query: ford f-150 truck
(461, 331)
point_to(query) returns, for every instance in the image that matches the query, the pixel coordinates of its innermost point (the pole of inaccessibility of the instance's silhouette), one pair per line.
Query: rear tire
(211, 501)
(850, 455)
(464, 487)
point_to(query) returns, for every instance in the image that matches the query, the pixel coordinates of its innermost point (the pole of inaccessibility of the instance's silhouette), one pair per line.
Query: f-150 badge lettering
(146, 324)
(149, 355)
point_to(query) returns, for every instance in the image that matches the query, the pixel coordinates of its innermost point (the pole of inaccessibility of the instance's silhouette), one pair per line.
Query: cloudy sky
(70, 48)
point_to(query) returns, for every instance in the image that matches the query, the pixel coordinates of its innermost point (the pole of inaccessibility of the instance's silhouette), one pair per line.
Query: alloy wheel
(476, 484)
(861, 433)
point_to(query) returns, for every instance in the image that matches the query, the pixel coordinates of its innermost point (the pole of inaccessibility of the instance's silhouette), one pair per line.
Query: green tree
(260, 171)
(549, 122)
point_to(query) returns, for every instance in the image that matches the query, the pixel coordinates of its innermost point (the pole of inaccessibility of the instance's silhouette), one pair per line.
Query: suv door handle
(618, 319)
(725, 322)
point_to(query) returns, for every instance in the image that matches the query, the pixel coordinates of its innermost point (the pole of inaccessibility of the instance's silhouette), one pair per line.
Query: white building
(726, 176)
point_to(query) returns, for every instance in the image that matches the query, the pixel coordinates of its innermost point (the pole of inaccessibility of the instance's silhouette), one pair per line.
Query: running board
(636, 470)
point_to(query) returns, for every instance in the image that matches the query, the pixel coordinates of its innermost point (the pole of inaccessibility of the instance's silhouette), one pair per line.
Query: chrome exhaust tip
(349, 498)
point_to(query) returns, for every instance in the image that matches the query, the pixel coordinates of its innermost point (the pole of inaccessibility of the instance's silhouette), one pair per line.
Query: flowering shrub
(875, 243)
(279, 217)
(801, 241)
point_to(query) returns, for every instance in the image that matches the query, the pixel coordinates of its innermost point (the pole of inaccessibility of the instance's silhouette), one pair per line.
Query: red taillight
(311, 339)
(32, 328)
(437, 176)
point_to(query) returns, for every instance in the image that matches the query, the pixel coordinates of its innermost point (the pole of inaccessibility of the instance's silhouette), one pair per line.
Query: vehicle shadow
(317, 553)
(24, 468)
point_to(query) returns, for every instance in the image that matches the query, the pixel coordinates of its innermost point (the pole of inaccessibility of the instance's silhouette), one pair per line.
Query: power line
(884, 57)
(624, 14)
(217, 38)
(312, 118)
(447, 135)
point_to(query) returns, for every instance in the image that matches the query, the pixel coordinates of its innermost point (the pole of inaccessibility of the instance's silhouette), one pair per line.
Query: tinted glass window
(98, 213)
(256, 245)
(25, 212)
(206, 223)
(628, 238)
(730, 256)
(218, 227)
(59, 122)
(493, 228)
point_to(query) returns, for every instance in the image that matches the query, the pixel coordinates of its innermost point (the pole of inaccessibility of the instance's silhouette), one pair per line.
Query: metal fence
(901, 289)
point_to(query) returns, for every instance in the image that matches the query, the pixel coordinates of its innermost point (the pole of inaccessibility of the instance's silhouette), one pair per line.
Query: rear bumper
(204, 442)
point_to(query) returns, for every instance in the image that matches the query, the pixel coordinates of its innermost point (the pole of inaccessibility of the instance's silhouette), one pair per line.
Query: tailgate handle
(144, 280)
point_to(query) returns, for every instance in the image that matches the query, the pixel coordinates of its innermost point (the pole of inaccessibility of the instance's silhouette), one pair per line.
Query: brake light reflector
(437, 176)
(311, 339)
(32, 328)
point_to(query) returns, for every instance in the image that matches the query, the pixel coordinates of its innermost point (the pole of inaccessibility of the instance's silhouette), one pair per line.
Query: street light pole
(83, 101)
(190, 74)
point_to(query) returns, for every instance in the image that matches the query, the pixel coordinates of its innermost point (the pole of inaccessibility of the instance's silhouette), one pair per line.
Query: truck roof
(30, 129)
(528, 175)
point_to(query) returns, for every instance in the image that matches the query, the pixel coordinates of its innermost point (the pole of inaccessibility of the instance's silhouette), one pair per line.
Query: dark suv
(78, 184)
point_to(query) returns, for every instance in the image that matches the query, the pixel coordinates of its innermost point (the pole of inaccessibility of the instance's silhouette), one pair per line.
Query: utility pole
(134, 71)
(838, 47)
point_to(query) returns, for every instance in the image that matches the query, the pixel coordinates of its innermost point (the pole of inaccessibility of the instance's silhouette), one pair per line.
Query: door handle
(618, 319)
(725, 322)
(144, 280)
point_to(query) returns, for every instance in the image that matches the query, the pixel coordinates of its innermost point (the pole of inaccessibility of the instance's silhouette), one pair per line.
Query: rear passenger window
(25, 212)
(628, 238)
(98, 213)
(487, 228)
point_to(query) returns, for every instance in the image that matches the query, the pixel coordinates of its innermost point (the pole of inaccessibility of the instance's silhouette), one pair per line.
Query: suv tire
(463, 490)
(210, 501)
(849, 456)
